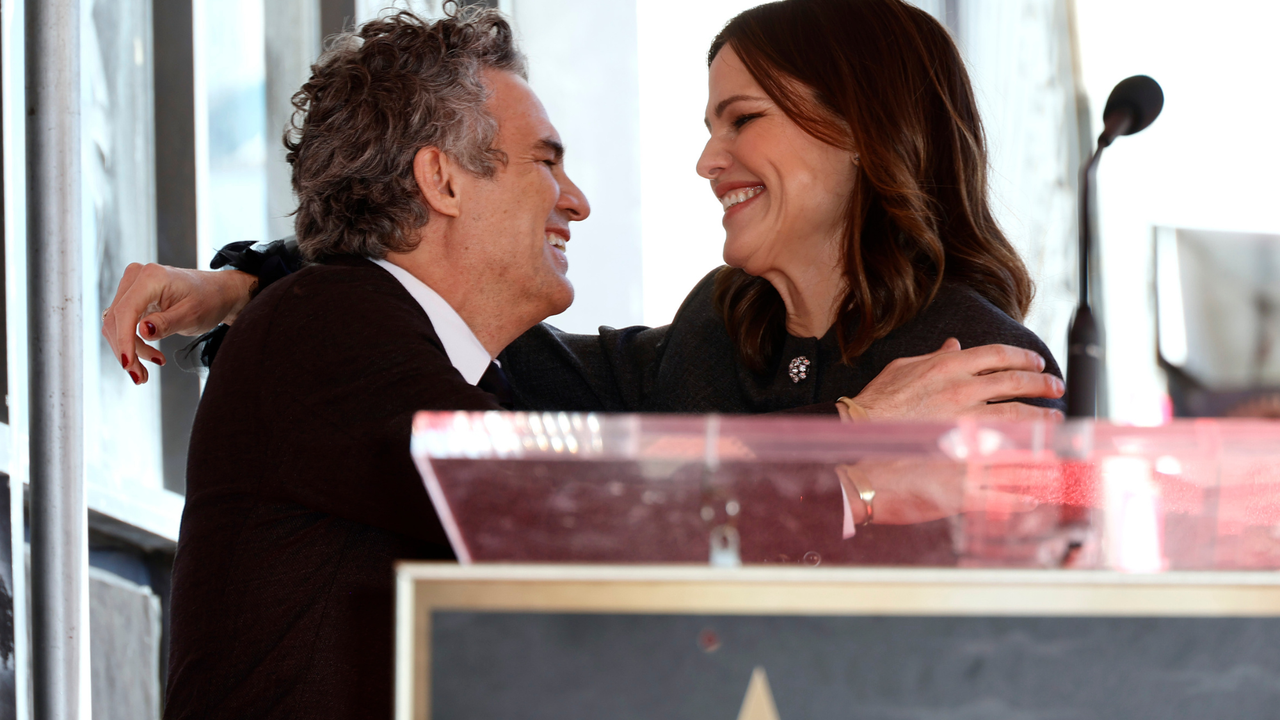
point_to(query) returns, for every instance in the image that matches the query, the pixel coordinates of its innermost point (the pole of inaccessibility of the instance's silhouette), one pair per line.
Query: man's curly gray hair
(375, 98)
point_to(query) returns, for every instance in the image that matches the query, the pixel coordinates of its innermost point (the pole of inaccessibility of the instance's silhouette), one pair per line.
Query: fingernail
(124, 360)
(151, 329)
(135, 377)
(159, 361)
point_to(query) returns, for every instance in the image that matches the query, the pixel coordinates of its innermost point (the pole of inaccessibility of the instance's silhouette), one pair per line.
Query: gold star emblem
(758, 702)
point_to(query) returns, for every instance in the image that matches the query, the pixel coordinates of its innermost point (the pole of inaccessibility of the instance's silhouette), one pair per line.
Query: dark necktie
(494, 382)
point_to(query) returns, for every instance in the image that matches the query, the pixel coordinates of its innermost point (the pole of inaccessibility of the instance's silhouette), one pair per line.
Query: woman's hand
(155, 301)
(951, 383)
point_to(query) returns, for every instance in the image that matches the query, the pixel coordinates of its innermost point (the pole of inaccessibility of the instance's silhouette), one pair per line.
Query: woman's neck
(812, 296)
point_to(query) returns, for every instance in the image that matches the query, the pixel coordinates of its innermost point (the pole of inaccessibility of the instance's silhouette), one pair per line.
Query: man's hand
(951, 382)
(155, 301)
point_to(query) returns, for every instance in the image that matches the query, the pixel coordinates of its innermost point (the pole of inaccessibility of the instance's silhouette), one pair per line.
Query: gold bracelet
(856, 411)
(847, 475)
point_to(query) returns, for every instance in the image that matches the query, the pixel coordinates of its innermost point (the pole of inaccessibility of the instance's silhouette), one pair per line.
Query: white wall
(1019, 58)
(683, 238)
(583, 65)
(1208, 162)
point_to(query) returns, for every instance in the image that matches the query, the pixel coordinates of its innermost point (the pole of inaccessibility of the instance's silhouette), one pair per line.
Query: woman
(862, 252)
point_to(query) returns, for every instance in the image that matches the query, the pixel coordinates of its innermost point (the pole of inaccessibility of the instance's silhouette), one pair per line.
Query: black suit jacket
(300, 495)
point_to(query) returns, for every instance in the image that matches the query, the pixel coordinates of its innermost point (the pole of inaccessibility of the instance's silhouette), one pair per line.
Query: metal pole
(58, 531)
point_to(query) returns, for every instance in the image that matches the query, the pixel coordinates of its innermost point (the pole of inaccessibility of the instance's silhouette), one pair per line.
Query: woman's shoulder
(959, 311)
(962, 306)
(698, 325)
(698, 308)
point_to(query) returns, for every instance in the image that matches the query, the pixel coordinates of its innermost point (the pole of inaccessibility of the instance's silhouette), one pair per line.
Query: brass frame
(422, 588)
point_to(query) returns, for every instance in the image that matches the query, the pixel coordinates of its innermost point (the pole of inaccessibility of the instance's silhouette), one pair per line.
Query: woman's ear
(437, 177)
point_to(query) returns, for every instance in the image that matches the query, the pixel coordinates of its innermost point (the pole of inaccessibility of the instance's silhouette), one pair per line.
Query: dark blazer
(300, 495)
(691, 365)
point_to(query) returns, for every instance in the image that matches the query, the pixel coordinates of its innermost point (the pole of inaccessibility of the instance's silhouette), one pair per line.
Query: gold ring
(105, 312)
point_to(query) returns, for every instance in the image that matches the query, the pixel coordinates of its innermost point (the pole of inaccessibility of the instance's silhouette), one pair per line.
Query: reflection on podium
(650, 566)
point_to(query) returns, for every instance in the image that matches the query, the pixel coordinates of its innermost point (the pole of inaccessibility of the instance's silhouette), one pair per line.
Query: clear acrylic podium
(731, 490)
(640, 566)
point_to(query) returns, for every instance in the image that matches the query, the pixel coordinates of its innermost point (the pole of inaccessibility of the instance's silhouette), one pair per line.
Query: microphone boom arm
(1084, 351)
(1133, 105)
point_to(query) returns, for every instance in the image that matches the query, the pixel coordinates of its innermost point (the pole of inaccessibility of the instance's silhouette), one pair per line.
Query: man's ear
(437, 177)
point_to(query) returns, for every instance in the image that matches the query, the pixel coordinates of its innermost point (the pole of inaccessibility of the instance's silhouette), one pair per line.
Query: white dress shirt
(465, 352)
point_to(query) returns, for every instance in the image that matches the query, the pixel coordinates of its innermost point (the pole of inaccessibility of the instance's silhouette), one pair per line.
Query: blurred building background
(184, 103)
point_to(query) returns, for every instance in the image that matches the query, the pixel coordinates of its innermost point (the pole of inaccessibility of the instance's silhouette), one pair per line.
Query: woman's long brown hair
(883, 79)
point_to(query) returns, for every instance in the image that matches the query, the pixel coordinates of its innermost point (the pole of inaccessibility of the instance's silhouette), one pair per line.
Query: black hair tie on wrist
(268, 262)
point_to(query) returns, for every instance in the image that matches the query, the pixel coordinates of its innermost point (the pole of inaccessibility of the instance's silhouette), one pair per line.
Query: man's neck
(494, 322)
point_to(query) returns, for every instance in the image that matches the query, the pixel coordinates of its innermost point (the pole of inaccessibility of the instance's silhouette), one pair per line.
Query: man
(434, 205)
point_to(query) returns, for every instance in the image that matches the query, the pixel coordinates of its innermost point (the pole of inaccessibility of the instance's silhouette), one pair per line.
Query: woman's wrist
(859, 497)
(259, 265)
(238, 289)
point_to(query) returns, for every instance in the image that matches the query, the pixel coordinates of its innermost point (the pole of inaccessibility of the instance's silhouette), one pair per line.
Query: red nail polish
(124, 360)
(151, 329)
(134, 375)
(160, 361)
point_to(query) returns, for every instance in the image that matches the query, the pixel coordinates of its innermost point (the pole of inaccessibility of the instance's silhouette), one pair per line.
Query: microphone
(1132, 106)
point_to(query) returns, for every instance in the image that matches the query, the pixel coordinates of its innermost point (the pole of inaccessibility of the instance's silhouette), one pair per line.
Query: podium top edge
(505, 572)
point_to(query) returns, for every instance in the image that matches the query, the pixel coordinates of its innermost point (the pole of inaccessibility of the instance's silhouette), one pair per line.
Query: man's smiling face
(519, 219)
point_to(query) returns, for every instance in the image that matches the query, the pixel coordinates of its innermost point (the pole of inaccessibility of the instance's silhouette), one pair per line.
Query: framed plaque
(621, 642)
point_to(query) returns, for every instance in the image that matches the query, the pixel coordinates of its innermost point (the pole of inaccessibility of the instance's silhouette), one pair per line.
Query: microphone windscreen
(1138, 96)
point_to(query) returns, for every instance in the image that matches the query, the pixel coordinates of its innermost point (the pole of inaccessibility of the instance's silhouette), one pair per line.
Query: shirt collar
(465, 352)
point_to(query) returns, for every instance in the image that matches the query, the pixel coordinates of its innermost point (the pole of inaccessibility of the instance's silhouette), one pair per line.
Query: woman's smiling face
(784, 191)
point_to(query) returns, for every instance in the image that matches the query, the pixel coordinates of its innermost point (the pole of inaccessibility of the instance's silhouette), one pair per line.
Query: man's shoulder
(346, 273)
(326, 306)
(335, 292)
(343, 333)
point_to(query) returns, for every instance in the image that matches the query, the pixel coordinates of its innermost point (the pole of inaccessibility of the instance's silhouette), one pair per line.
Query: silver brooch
(799, 369)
